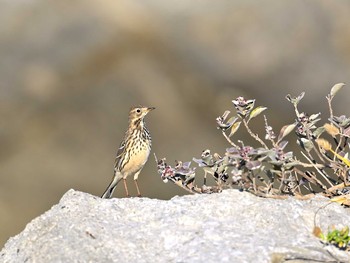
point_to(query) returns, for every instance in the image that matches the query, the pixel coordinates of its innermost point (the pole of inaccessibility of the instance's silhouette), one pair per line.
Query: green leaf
(234, 128)
(331, 235)
(256, 112)
(231, 120)
(313, 117)
(290, 165)
(322, 236)
(336, 88)
(295, 100)
(306, 144)
(319, 131)
(286, 130)
(345, 231)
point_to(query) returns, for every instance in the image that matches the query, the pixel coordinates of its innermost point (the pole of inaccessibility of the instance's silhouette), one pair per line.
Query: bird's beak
(150, 108)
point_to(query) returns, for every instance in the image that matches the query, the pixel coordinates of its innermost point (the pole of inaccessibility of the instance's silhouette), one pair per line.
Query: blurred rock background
(70, 70)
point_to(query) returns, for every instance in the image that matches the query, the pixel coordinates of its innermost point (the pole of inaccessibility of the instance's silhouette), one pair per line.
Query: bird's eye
(138, 110)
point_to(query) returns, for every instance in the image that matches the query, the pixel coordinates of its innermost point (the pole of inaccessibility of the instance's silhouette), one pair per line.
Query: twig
(307, 165)
(320, 172)
(255, 136)
(194, 190)
(283, 197)
(329, 100)
(229, 140)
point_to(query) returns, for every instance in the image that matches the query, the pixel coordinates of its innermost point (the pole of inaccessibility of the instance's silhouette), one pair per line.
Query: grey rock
(70, 71)
(228, 227)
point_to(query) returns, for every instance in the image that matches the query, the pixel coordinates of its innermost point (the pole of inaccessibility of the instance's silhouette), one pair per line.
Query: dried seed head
(331, 129)
(324, 144)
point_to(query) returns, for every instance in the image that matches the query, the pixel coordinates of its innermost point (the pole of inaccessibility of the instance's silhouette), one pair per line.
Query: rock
(226, 227)
(70, 71)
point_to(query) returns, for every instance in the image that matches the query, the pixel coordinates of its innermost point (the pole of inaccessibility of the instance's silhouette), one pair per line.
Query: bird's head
(139, 112)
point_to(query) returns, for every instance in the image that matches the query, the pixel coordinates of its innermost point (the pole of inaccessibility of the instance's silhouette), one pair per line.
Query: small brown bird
(133, 151)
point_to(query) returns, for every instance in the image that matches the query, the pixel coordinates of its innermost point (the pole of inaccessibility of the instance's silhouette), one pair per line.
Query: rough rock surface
(227, 227)
(70, 71)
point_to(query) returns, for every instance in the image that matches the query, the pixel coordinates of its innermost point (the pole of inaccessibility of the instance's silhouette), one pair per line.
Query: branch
(255, 136)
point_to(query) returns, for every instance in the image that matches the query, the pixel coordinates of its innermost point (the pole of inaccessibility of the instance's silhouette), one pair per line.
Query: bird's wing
(120, 153)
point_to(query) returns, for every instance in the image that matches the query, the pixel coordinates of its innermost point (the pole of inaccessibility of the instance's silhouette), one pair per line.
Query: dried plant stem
(318, 210)
(338, 146)
(320, 172)
(307, 165)
(269, 187)
(298, 185)
(329, 100)
(274, 144)
(338, 187)
(194, 190)
(261, 179)
(229, 140)
(282, 182)
(255, 136)
(282, 197)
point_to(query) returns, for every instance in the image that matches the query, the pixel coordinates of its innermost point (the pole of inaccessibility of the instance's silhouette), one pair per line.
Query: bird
(133, 151)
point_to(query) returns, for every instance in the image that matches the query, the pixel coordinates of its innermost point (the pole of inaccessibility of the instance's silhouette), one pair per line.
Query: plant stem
(229, 140)
(255, 136)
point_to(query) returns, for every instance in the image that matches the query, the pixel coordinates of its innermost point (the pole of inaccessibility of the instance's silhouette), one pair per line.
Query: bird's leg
(205, 178)
(137, 188)
(126, 188)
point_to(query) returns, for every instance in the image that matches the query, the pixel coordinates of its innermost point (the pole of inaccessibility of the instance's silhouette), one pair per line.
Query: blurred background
(70, 71)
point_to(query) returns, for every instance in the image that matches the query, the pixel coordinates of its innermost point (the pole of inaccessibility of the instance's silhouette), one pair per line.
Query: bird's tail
(110, 189)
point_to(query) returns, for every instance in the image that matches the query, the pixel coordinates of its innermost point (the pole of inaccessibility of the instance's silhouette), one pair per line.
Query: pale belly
(136, 161)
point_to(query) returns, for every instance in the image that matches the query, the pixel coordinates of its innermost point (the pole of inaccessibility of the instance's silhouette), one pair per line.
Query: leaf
(306, 144)
(256, 112)
(345, 160)
(290, 165)
(301, 96)
(345, 231)
(282, 144)
(346, 132)
(234, 128)
(336, 88)
(226, 113)
(286, 130)
(343, 199)
(319, 131)
(326, 145)
(317, 232)
(295, 100)
(314, 116)
(253, 165)
(231, 120)
(331, 129)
